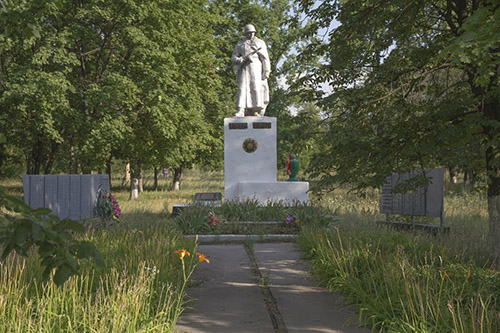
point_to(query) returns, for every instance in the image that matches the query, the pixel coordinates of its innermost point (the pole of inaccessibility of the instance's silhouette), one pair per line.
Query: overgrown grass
(140, 289)
(194, 219)
(402, 282)
(409, 281)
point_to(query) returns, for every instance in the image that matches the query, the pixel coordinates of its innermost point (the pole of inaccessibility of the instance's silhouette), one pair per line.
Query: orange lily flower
(182, 253)
(202, 257)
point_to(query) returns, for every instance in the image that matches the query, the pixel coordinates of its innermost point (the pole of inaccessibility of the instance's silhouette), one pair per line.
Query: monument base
(288, 193)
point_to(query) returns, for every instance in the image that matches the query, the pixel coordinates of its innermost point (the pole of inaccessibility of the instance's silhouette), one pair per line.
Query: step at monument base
(264, 191)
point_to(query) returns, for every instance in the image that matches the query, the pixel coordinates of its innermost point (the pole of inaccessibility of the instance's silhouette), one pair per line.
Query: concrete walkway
(229, 298)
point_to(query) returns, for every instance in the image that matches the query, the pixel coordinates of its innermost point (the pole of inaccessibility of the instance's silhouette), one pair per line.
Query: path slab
(227, 297)
(303, 306)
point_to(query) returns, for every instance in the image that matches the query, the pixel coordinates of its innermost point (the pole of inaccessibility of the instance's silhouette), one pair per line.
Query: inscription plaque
(208, 198)
(424, 201)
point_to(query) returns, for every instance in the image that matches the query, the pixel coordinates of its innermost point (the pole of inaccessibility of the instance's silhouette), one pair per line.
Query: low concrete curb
(210, 239)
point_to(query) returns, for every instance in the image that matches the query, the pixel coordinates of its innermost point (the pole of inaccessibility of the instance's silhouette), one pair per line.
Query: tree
(102, 80)
(413, 82)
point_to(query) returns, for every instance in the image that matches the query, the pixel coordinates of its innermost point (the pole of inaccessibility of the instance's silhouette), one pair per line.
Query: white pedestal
(250, 165)
(288, 193)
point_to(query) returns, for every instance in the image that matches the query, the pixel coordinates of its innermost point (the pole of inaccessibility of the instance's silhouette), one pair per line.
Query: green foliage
(138, 290)
(403, 283)
(23, 228)
(194, 219)
(118, 79)
(401, 97)
(477, 46)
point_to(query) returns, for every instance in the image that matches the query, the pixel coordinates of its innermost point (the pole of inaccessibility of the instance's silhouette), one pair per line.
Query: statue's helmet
(249, 28)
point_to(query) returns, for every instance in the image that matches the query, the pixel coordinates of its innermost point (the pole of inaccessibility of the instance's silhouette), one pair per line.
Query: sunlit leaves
(396, 103)
(23, 228)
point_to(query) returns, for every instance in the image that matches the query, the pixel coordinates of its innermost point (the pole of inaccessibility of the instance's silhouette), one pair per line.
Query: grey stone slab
(50, 194)
(26, 189)
(86, 197)
(435, 194)
(424, 201)
(227, 298)
(104, 182)
(36, 191)
(74, 197)
(303, 306)
(63, 182)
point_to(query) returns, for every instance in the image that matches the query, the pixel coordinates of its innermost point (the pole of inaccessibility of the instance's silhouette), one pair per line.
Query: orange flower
(202, 257)
(182, 253)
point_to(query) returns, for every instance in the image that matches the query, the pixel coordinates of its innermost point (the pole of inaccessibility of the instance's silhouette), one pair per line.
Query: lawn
(401, 281)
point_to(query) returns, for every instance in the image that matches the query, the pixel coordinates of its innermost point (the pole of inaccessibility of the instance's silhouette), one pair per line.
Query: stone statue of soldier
(252, 68)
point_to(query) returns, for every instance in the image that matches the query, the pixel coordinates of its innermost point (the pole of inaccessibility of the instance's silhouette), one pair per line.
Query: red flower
(213, 220)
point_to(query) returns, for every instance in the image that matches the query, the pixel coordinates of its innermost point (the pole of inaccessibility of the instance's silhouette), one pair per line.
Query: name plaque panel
(262, 125)
(423, 201)
(236, 126)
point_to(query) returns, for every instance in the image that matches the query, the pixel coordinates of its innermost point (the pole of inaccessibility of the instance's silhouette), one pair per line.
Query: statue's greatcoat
(253, 91)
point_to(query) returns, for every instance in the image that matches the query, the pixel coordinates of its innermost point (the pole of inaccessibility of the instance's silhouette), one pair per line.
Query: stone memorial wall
(424, 201)
(72, 196)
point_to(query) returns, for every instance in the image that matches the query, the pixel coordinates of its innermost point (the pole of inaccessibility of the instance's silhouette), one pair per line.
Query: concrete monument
(252, 68)
(250, 163)
(250, 150)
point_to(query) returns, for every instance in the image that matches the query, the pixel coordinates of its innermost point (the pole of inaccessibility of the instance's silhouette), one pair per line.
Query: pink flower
(213, 220)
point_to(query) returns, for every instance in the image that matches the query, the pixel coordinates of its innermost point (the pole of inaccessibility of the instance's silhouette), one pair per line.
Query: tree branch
(447, 16)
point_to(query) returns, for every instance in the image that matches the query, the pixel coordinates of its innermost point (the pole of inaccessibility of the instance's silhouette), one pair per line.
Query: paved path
(229, 299)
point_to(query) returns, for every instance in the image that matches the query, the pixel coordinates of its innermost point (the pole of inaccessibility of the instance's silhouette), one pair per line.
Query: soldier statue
(252, 68)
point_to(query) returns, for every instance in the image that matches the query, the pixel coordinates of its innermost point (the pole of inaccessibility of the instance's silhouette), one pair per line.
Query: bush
(23, 228)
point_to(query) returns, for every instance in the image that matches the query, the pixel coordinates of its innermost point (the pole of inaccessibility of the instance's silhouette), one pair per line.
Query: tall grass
(402, 282)
(140, 289)
(409, 282)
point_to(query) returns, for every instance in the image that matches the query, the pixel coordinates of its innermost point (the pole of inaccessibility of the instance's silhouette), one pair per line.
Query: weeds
(402, 282)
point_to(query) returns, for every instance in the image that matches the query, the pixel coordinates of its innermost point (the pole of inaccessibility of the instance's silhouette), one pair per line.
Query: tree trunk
(72, 164)
(134, 181)
(86, 168)
(139, 176)
(3, 156)
(52, 158)
(136, 172)
(36, 158)
(155, 185)
(126, 179)
(108, 169)
(453, 177)
(177, 179)
(134, 189)
(491, 110)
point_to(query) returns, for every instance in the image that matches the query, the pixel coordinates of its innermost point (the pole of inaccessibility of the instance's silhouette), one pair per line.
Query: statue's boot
(240, 113)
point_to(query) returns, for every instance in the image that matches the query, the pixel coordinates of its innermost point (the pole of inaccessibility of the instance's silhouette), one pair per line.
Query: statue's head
(249, 30)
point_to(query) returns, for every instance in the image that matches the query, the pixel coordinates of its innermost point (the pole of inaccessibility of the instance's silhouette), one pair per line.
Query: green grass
(409, 281)
(194, 219)
(401, 281)
(140, 289)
